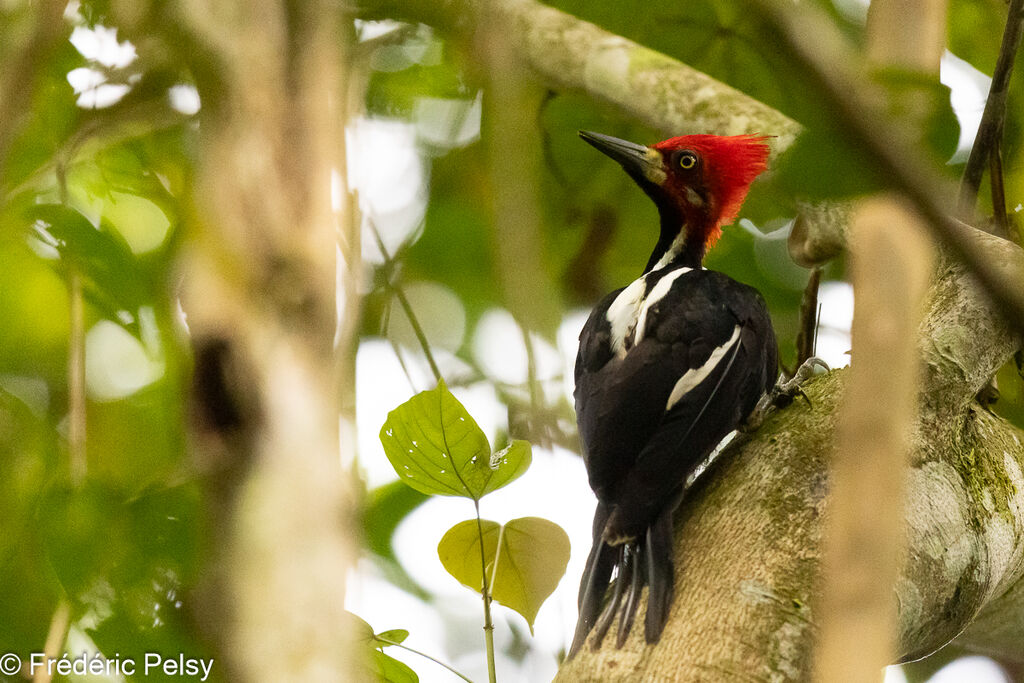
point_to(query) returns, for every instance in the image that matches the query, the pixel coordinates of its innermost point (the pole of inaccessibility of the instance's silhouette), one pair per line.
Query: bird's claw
(783, 393)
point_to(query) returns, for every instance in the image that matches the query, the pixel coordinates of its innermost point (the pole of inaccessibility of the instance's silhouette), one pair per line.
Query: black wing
(638, 453)
(644, 429)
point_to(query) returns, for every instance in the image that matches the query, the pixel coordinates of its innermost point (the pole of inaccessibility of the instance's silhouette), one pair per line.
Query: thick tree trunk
(273, 370)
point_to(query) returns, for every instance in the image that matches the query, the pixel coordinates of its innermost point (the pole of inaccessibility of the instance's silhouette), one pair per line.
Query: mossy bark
(749, 532)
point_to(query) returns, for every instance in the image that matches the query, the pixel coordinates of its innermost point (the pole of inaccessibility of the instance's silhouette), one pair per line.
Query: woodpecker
(667, 367)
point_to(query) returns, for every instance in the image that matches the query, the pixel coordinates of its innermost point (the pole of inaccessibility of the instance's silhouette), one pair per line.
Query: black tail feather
(645, 561)
(636, 587)
(600, 519)
(625, 567)
(593, 585)
(660, 575)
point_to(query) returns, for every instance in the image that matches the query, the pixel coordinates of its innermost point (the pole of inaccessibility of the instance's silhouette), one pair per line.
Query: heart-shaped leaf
(380, 666)
(387, 669)
(525, 560)
(437, 447)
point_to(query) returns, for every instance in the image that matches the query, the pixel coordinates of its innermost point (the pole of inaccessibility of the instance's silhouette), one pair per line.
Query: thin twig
(807, 333)
(813, 41)
(407, 307)
(55, 638)
(990, 129)
(421, 654)
(995, 178)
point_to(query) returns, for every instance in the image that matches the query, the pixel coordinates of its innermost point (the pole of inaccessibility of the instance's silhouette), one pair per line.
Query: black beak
(637, 160)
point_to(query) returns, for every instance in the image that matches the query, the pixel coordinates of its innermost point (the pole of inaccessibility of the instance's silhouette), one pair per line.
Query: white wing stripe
(694, 376)
(621, 314)
(658, 293)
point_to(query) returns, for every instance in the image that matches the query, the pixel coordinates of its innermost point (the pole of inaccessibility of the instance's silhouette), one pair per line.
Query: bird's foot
(783, 393)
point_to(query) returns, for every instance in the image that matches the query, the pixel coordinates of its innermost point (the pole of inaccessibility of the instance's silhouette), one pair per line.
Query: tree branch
(569, 54)
(749, 536)
(990, 130)
(890, 265)
(854, 101)
(261, 281)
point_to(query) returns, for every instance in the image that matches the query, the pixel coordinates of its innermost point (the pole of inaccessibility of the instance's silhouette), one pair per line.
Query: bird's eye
(687, 161)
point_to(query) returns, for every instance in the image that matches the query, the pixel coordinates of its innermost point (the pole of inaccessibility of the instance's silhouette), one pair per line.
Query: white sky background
(392, 175)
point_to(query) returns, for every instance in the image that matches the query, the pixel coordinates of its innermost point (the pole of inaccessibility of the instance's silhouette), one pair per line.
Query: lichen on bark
(749, 531)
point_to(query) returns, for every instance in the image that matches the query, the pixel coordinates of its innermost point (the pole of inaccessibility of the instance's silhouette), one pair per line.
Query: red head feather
(729, 165)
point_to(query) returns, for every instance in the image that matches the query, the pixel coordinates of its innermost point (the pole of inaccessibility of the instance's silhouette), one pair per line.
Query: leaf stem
(486, 592)
(421, 654)
(414, 321)
(407, 307)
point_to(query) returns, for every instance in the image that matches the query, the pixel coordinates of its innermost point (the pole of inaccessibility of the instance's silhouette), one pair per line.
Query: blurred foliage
(106, 192)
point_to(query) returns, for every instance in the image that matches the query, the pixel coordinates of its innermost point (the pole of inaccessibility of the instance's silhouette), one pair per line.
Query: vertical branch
(991, 126)
(355, 66)
(76, 379)
(515, 161)
(55, 637)
(262, 279)
(806, 335)
(891, 262)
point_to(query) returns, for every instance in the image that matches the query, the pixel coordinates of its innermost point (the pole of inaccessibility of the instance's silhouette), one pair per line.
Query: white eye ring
(687, 161)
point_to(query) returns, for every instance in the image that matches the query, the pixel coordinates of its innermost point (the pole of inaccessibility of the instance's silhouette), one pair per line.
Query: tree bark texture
(750, 530)
(568, 54)
(260, 283)
(890, 264)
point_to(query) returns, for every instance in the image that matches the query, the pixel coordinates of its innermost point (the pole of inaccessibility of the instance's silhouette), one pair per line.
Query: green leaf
(509, 464)
(459, 550)
(385, 508)
(381, 667)
(531, 561)
(114, 282)
(393, 637)
(436, 447)
(359, 629)
(390, 670)
(912, 96)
